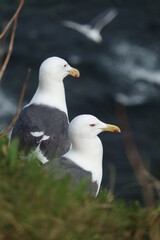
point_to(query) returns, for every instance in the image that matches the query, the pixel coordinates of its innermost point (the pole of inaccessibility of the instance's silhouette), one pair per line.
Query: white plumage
(93, 32)
(50, 90)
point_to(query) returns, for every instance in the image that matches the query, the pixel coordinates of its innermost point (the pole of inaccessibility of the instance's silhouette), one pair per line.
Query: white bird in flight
(93, 30)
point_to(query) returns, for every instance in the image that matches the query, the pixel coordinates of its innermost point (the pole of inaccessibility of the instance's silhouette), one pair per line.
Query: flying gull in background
(93, 30)
(43, 124)
(84, 159)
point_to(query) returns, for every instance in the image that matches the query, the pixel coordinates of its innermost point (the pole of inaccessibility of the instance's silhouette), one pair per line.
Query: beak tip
(74, 72)
(117, 130)
(76, 75)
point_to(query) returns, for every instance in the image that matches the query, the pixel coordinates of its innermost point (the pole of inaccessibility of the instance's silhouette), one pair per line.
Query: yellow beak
(111, 128)
(74, 72)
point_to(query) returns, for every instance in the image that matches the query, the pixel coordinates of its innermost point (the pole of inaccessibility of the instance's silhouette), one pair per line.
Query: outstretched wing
(76, 26)
(105, 19)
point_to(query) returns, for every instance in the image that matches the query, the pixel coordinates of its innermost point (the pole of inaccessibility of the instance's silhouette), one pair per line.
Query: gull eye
(92, 125)
(65, 65)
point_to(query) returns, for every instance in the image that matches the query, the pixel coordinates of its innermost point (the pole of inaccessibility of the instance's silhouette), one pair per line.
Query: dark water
(124, 69)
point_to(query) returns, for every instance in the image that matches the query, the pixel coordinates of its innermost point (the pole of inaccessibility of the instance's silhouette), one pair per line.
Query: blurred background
(124, 69)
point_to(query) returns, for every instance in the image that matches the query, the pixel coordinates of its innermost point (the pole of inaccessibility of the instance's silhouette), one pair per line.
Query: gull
(93, 30)
(84, 159)
(42, 125)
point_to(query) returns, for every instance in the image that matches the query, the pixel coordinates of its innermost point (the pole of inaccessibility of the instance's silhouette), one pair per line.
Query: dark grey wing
(64, 166)
(82, 28)
(51, 122)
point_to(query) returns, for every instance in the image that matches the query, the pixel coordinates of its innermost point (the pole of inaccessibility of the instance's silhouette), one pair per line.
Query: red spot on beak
(76, 75)
(115, 131)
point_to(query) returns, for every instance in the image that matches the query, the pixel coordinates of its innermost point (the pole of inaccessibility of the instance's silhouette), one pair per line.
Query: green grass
(35, 205)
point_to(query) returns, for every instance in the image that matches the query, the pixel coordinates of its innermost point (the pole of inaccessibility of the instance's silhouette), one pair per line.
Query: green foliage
(35, 205)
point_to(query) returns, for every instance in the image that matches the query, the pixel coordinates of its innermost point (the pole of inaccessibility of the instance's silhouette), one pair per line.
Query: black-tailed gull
(43, 124)
(84, 159)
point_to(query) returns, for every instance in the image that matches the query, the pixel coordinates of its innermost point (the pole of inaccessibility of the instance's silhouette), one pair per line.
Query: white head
(50, 90)
(56, 69)
(88, 127)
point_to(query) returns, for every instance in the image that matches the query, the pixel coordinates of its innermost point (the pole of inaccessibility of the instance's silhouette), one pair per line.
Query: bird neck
(88, 155)
(51, 93)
